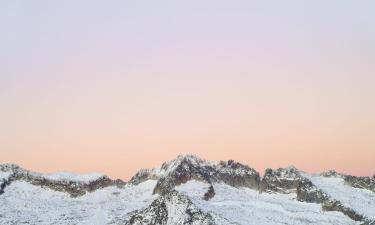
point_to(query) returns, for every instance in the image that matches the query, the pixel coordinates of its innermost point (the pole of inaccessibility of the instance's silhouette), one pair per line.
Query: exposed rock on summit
(282, 180)
(188, 167)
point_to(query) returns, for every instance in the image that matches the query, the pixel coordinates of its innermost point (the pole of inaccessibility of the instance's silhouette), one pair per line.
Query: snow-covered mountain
(187, 190)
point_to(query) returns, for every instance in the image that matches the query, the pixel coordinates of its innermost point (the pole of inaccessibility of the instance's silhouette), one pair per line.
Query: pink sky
(118, 87)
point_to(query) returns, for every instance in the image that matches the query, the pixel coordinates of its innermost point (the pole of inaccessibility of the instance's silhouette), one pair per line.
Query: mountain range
(187, 190)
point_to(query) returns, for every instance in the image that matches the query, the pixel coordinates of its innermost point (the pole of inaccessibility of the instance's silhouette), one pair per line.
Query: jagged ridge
(188, 167)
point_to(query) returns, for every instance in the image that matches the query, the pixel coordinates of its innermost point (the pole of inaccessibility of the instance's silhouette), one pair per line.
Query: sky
(115, 86)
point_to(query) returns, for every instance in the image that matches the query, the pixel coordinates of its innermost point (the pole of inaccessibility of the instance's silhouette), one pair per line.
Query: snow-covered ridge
(60, 176)
(187, 167)
(187, 190)
(72, 183)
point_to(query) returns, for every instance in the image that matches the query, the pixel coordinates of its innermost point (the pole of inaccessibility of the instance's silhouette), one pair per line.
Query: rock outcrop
(361, 182)
(282, 180)
(308, 192)
(209, 194)
(170, 208)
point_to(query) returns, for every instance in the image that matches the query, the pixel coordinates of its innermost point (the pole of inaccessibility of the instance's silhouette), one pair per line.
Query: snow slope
(361, 200)
(244, 206)
(24, 203)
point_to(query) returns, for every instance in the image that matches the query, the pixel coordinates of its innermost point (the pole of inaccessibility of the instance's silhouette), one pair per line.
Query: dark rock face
(333, 205)
(158, 214)
(289, 180)
(3, 184)
(237, 175)
(282, 180)
(307, 192)
(361, 182)
(209, 194)
(74, 188)
(155, 214)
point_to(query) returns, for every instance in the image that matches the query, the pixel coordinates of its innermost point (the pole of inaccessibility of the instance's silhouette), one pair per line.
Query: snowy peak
(191, 167)
(187, 159)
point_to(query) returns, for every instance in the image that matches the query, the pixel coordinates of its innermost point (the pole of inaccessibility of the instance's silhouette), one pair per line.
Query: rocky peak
(184, 161)
(282, 180)
(188, 167)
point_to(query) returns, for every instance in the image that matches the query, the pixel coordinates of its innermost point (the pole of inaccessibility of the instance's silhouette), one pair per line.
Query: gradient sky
(114, 86)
